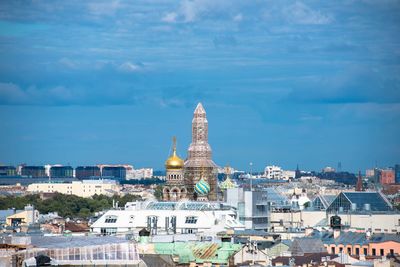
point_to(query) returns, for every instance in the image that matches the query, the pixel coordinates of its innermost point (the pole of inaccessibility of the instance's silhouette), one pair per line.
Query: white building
(273, 172)
(85, 188)
(143, 173)
(199, 218)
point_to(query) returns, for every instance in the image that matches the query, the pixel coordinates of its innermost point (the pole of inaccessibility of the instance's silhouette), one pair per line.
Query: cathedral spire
(199, 109)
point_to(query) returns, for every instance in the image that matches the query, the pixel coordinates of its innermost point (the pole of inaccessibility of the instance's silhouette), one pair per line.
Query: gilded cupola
(174, 162)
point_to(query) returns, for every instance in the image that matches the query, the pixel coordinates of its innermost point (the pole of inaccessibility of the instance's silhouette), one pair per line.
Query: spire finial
(174, 145)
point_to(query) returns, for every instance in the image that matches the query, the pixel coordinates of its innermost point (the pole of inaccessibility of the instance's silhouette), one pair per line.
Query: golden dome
(174, 162)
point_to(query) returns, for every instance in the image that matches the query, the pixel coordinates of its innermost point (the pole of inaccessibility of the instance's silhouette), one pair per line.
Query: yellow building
(85, 188)
(28, 216)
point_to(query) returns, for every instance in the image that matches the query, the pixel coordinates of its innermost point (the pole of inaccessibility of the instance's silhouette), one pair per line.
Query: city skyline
(283, 83)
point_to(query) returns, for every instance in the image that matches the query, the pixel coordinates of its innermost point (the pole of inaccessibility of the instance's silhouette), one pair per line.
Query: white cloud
(130, 67)
(107, 8)
(300, 13)
(238, 17)
(170, 17)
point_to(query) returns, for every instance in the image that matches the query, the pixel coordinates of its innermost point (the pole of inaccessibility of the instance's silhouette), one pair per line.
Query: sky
(311, 83)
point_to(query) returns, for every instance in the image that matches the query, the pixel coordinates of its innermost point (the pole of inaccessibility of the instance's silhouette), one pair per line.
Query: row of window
(365, 251)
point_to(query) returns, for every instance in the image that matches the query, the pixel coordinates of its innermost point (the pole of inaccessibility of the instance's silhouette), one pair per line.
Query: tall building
(61, 171)
(200, 171)
(33, 171)
(118, 172)
(8, 171)
(397, 173)
(175, 188)
(83, 172)
(195, 178)
(387, 176)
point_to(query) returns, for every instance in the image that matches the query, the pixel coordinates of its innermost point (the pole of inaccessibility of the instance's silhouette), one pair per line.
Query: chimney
(309, 231)
(336, 233)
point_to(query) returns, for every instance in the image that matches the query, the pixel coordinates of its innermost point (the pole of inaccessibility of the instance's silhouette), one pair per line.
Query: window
(191, 219)
(357, 251)
(382, 252)
(349, 251)
(333, 250)
(189, 231)
(365, 251)
(108, 231)
(340, 250)
(111, 219)
(373, 252)
(391, 251)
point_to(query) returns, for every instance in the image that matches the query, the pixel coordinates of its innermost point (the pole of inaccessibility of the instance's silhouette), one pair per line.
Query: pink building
(387, 176)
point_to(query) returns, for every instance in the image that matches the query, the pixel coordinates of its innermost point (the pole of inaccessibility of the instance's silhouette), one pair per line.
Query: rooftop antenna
(251, 176)
(339, 166)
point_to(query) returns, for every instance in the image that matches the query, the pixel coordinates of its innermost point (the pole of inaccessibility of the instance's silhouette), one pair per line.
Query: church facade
(195, 178)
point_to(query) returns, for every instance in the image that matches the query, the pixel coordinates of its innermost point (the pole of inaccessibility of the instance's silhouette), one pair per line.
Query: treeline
(66, 205)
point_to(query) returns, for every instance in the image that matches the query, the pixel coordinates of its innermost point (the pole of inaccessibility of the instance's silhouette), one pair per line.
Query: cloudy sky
(312, 83)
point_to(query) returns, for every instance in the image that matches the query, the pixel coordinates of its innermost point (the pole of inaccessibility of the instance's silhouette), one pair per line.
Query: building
(175, 188)
(8, 171)
(118, 172)
(143, 173)
(387, 176)
(197, 178)
(200, 171)
(354, 243)
(61, 171)
(254, 206)
(273, 172)
(26, 217)
(84, 188)
(84, 172)
(200, 218)
(397, 173)
(360, 201)
(328, 169)
(33, 171)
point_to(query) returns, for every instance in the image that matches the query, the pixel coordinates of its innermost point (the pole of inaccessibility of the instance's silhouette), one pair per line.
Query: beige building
(85, 188)
(28, 216)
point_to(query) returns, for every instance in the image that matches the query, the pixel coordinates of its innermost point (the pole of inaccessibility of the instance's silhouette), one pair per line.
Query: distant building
(85, 188)
(8, 171)
(33, 171)
(328, 169)
(143, 173)
(118, 172)
(61, 171)
(84, 172)
(387, 176)
(370, 173)
(397, 173)
(273, 172)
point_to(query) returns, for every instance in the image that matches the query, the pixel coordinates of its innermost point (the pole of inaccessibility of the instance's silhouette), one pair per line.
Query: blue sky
(283, 82)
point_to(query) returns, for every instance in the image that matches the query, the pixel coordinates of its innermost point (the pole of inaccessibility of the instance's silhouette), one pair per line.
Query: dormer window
(111, 219)
(191, 219)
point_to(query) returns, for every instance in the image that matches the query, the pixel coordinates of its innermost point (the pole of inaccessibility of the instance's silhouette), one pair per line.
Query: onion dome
(174, 162)
(202, 188)
(227, 184)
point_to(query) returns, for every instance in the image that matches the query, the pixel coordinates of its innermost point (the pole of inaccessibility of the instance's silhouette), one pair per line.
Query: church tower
(200, 171)
(174, 188)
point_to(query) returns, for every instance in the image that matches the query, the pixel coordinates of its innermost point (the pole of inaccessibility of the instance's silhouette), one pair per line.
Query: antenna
(251, 176)
(339, 166)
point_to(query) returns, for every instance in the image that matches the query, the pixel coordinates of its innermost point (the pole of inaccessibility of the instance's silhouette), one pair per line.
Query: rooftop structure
(360, 201)
(204, 219)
